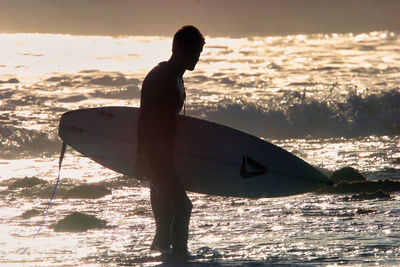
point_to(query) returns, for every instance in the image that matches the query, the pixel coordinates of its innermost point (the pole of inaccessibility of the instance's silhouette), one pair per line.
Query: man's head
(187, 46)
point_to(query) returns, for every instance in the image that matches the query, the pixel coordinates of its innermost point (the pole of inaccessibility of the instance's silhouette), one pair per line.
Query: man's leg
(182, 209)
(167, 188)
(163, 217)
(173, 207)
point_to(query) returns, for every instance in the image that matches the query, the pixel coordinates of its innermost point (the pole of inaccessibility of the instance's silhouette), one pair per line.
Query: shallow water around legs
(305, 229)
(308, 229)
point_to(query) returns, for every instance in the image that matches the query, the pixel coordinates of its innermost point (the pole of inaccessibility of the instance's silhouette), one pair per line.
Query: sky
(235, 18)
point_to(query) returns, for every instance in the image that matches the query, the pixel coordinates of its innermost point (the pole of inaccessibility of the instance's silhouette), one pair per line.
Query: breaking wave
(21, 143)
(375, 114)
(284, 115)
(356, 115)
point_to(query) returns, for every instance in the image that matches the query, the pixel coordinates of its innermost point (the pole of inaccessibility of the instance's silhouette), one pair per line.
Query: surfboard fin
(257, 168)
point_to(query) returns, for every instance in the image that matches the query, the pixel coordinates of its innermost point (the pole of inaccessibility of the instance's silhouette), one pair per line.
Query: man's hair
(188, 37)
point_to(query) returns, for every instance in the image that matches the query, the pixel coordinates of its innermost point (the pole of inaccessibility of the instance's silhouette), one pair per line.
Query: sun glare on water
(331, 99)
(35, 54)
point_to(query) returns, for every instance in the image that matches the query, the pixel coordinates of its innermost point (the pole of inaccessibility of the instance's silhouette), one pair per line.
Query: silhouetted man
(162, 98)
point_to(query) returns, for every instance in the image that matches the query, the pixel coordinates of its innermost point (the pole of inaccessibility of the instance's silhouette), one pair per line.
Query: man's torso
(162, 99)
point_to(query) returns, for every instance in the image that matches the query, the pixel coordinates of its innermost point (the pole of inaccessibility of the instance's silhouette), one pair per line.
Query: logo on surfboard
(251, 168)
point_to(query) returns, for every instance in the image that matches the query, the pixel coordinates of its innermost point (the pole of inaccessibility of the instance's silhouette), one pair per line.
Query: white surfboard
(210, 158)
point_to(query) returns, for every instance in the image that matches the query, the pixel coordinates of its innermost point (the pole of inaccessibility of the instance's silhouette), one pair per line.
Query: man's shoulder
(161, 72)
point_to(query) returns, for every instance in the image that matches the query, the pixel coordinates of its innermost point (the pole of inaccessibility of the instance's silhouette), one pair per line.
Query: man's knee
(184, 208)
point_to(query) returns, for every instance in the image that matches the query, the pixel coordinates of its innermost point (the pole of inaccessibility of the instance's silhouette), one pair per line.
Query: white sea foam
(293, 116)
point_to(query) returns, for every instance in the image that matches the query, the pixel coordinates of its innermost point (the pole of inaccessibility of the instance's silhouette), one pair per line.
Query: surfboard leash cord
(63, 149)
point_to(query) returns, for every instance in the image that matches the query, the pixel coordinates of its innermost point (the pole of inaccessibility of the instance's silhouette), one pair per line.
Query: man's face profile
(192, 57)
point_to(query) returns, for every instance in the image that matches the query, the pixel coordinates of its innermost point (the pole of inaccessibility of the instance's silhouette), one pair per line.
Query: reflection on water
(333, 100)
(302, 229)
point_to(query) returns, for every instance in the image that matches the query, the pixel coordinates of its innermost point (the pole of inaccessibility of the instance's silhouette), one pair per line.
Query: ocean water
(333, 100)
